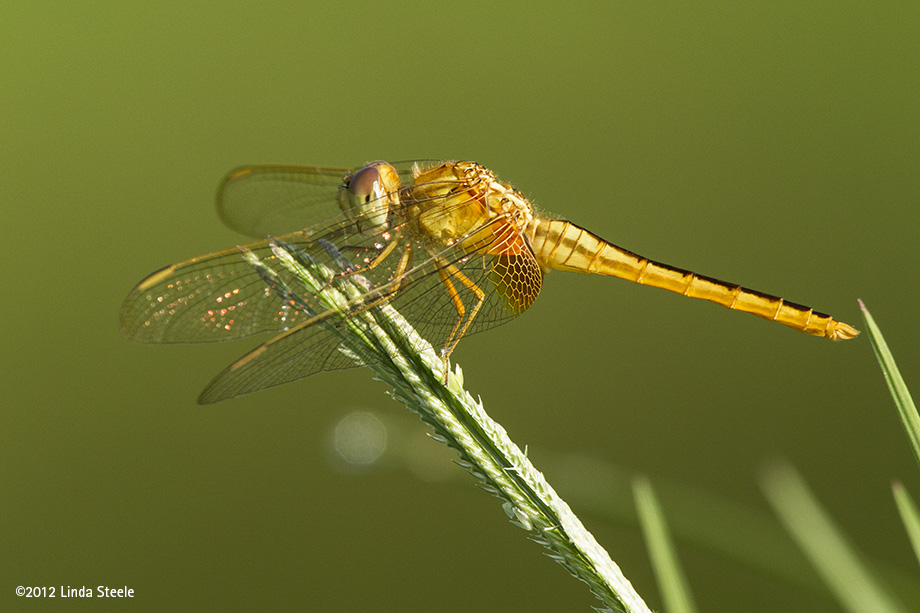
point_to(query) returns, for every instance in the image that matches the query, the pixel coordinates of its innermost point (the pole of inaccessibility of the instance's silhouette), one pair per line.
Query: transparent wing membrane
(263, 201)
(214, 297)
(444, 291)
(423, 299)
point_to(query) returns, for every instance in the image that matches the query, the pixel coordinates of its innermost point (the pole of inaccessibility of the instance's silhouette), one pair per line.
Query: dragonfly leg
(446, 271)
(354, 270)
(385, 292)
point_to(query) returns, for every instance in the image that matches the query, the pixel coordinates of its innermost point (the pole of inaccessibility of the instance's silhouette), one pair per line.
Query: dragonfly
(447, 244)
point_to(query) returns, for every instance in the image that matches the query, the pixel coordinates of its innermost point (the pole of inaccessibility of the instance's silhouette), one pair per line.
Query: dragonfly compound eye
(370, 193)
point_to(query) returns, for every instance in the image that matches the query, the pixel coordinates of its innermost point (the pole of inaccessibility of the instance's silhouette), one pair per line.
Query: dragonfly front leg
(447, 270)
(384, 293)
(349, 270)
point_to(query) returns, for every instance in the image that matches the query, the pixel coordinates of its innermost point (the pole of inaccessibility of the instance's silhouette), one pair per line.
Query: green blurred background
(771, 146)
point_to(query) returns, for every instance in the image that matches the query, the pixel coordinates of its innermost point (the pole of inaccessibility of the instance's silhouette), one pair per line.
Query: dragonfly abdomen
(564, 246)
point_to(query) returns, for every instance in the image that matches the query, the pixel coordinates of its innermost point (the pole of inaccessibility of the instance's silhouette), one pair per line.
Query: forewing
(221, 296)
(261, 201)
(214, 297)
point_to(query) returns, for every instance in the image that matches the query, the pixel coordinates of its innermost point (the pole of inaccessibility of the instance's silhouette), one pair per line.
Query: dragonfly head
(367, 197)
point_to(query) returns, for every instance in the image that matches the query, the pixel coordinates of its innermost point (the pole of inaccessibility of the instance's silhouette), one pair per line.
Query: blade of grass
(675, 592)
(381, 339)
(907, 411)
(909, 515)
(744, 534)
(823, 543)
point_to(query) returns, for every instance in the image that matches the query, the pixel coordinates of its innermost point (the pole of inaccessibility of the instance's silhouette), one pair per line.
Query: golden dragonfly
(453, 249)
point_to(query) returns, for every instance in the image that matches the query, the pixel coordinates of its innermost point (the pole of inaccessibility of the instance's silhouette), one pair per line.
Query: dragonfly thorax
(509, 203)
(464, 201)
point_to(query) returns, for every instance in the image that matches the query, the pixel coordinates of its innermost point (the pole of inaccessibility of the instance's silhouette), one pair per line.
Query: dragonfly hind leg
(447, 270)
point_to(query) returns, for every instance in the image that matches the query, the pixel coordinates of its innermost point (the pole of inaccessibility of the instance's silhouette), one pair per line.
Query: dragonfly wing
(313, 345)
(508, 283)
(223, 295)
(261, 201)
(299, 352)
(445, 287)
(219, 296)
